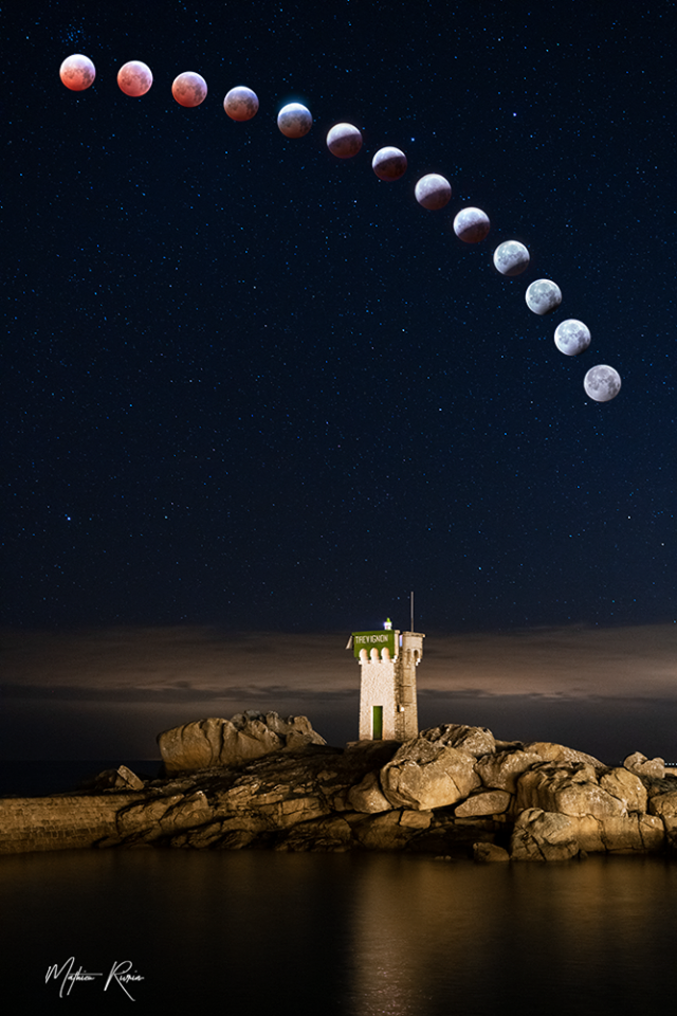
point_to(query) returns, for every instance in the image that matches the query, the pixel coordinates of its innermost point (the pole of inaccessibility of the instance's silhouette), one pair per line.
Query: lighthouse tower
(388, 660)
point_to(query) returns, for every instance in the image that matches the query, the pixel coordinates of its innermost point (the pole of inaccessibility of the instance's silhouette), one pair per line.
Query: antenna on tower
(411, 601)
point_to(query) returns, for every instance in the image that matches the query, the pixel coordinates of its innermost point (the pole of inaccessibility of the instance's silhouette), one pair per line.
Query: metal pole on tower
(412, 611)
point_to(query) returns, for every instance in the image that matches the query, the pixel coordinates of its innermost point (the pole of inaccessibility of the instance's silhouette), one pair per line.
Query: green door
(377, 723)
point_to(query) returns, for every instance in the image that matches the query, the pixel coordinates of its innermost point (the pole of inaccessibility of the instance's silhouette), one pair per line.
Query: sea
(360, 934)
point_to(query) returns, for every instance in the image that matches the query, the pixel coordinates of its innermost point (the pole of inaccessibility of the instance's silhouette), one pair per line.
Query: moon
(294, 120)
(241, 103)
(344, 140)
(602, 383)
(511, 258)
(543, 296)
(572, 337)
(135, 78)
(189, 89)
(433, 191)
(77, 72)
(389, 164)
(471, 225)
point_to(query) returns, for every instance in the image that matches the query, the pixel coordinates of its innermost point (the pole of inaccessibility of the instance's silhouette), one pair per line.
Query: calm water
(259, 933)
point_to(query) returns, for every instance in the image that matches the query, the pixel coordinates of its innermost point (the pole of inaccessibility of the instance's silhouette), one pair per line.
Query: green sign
(374, 640)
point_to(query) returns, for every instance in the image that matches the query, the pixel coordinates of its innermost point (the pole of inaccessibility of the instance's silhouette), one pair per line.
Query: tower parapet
(388, 661)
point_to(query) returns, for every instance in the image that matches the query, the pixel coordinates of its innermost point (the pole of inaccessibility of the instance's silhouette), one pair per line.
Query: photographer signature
(121, 973)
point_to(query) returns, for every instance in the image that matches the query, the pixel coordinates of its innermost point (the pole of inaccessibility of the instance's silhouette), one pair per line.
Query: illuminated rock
(642, 766)
(422, 775)
(489, 802)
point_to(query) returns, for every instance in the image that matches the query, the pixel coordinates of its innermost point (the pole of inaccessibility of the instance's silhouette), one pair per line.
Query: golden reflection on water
(351, 935)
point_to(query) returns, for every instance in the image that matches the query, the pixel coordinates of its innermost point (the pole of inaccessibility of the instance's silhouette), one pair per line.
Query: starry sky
(250, 387)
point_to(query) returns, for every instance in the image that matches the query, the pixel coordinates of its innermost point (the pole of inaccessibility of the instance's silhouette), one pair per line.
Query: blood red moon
(77, 72)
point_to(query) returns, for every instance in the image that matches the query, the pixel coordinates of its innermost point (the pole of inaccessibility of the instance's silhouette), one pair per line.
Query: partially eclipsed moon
(511, 258)
(389, 164)
(77, 72)
(602, 383)
(433, 191)
(294, 120)
(543, 296)
(572, 337)
(241, 103)
(344, 140)
(471, 225)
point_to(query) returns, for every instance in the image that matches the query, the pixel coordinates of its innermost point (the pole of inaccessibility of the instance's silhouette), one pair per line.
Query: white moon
(602, 383)
(572, 337)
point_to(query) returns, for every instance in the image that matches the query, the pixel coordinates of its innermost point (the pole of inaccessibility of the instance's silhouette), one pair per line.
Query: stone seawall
(61, 822)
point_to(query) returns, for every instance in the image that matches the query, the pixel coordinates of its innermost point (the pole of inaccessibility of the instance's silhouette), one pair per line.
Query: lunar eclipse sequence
(433, 192)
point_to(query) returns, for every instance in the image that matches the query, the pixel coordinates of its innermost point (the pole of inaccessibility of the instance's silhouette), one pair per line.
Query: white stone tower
(388, 661)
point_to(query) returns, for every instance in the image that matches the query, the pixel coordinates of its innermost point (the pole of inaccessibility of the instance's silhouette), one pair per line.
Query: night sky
(249, 387)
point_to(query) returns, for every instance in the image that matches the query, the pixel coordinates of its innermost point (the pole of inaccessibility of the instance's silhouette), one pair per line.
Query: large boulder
(214, 741)
(543, 836)
(643, 766)
(550, 752)
(366, 797)
(502, 769)
(423, 775)
(664, 805)
(473, 740)
(490, 802)
(626, 786)
(570, 788)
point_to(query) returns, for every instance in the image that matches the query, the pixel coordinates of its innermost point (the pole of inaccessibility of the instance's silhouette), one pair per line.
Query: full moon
(471, 225)
(433, 191)
(135, 78)
(344, 140)
(602, 383)
(543, 296)
(189, 89)
(511, 258)
(294, 120)
(572, 337)
(389, 164)
(77, 72)
(241, 103)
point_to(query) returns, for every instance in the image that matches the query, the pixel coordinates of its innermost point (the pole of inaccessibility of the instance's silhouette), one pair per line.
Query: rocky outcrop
(452, 791)
(248, 735)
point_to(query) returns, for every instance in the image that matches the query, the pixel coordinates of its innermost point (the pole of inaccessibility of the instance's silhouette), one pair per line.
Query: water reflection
(357, 935)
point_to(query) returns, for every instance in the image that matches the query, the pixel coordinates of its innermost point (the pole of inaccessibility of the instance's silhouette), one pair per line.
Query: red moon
(135, 78)
(344, 140)
(189, 89)
(77, 72)
(241, 103)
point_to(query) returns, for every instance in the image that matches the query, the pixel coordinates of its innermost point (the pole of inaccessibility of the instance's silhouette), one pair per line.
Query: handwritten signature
(121, 973)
